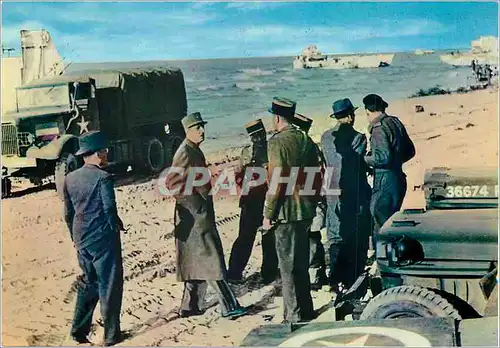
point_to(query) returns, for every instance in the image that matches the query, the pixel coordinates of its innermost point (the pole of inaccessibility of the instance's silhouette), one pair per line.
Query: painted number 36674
(472, 191)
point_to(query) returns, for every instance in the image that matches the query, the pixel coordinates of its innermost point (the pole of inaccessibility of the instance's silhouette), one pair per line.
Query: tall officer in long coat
(290, 215)
(252, 211)
(348, 217)
(391, 147)
(200, 257)
(317, 262)
(92, 218)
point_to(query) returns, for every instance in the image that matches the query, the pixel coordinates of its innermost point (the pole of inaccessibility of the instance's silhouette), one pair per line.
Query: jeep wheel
(64, 165)
(408, 302)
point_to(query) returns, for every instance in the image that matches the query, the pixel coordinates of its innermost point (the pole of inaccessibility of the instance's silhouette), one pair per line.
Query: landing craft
(311, 57)
(484, 51)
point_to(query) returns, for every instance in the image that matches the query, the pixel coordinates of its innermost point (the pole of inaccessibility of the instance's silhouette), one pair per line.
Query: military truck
(440, 261)
(138, 109)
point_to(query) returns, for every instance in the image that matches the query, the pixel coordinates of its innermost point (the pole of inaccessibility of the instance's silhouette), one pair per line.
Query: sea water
(232, 92)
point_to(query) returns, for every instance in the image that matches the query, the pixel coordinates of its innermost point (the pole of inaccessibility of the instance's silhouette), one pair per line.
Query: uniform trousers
(389, 190)
(251, 218)
(292, 245)
(102, 280)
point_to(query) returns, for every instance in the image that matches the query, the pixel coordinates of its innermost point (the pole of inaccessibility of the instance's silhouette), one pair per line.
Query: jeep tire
(408, 302)
(64, 165)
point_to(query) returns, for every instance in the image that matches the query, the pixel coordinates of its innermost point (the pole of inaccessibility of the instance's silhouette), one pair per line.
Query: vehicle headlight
(405, 251)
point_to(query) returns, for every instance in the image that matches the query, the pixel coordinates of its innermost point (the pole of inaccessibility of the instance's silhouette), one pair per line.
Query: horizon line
(249, 57)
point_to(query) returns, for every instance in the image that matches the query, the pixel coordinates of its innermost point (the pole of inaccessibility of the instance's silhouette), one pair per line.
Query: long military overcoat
(199, 248)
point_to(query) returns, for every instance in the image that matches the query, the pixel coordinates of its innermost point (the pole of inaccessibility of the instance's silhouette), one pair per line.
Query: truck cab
(39, 137)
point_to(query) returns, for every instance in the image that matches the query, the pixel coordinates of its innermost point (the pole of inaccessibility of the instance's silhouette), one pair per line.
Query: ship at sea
(421, 52)
(311, 57)
(483, 51)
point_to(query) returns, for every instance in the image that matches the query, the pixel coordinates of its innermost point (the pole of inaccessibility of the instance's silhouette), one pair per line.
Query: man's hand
(121, 226)
(266, 224)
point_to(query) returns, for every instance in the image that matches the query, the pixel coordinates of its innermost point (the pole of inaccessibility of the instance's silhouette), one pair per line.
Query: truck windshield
(43, 96)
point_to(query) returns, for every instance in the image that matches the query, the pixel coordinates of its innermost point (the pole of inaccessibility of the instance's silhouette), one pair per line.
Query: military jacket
(390, 144)
(254, 155)
(287, 149)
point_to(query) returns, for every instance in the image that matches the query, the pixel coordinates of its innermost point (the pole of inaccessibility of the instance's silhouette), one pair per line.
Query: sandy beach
(39, 263)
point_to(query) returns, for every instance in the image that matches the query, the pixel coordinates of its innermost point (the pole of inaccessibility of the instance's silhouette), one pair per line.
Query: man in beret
(94, 225)
(317, 263)
(200, 257)
(348, 219)
(391, 147)
(252, 208)
(290, 215)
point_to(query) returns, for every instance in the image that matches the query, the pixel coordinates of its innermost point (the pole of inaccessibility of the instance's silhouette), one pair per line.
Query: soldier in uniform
(290, 216)
(317, 264)
(252, 212)
(200, 257)
(94, 225)
(391, 147)
(348, 219)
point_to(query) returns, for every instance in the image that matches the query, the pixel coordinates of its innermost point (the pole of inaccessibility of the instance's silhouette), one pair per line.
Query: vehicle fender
(53, 150)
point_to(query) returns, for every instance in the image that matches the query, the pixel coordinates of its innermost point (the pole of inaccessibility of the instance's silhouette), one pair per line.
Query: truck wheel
(154, 155)
(6, 187)
(64, 165)
(171, 144)
(408, 302)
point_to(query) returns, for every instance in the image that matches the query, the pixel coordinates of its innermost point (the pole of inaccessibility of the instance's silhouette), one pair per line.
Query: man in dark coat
(391, 147)
(348, 219)
(252, 211)
(94, 225)
(317, 263)
(200, 257)
(290, 214)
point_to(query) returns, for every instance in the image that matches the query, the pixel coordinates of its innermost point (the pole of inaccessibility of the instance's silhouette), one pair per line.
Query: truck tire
(409, 302)
(64, 165)
(6, 187)
(154, 155)
(171, 143)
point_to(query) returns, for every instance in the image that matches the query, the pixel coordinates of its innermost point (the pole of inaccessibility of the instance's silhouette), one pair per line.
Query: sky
(124, 31)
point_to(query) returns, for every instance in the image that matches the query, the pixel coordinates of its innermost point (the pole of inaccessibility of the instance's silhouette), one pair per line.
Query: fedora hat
(302, 122)
(375, 100)
(283, 107)
(342, 108)
(255, 126)
(192, 120)
(90, 142)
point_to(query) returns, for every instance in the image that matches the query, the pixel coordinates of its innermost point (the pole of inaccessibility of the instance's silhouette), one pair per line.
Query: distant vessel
(311, 57)
(484, 50)
(419, 52)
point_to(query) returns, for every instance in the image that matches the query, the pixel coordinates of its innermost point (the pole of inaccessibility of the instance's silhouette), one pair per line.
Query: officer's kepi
(283, 107)
(192, 120)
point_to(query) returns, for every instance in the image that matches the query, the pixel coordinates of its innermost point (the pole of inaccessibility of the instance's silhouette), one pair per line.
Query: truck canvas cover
(134, 97)
(47, 96)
